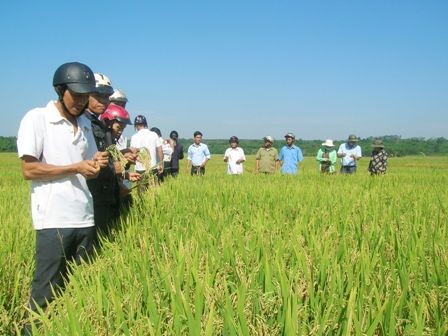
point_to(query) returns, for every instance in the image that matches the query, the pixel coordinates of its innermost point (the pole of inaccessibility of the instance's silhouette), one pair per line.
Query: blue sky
(320, 69)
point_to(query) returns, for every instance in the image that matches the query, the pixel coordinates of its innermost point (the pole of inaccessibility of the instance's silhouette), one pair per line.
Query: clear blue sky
(320, 69)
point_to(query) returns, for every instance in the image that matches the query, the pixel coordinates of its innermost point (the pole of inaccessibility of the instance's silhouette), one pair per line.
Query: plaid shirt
(378, 163)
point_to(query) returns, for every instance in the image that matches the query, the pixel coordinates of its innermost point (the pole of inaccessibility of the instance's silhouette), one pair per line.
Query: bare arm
(205, 162)
(33, 169)
(160, 156)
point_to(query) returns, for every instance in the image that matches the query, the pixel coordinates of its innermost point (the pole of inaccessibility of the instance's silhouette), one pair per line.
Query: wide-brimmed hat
(328, 143)
(378, 144)
(352, 137)
(290, 135)
(269, 138)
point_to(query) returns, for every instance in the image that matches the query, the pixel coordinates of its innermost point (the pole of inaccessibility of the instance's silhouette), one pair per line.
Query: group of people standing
(268, 159)
(73, 150)
(350, 152)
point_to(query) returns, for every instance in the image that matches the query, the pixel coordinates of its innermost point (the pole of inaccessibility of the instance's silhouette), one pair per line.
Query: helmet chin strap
(61, 92)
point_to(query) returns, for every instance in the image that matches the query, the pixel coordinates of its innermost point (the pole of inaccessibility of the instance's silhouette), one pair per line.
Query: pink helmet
(115, 112)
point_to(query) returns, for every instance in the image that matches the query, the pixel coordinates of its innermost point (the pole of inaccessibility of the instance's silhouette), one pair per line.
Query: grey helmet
(118, 96)
(77, 77)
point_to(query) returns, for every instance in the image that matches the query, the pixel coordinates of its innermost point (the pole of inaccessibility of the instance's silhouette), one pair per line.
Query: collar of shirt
(54, 116)
(94, 115)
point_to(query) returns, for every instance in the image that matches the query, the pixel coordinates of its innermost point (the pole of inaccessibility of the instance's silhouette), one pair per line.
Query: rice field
(251, 255)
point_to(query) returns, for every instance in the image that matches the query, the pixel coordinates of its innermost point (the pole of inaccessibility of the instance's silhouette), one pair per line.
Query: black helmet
(234, 139)
(174, 135)
(140, 120)
(76, 76)
(157, 131)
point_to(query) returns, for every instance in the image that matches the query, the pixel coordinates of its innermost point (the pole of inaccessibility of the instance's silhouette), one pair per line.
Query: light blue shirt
(347, 160)
(197, 154)
(290, 157)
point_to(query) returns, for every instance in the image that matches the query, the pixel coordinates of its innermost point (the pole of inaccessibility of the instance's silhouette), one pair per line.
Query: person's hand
(101, 159)
(130, 157)
(226, 158)
(131, 154)
(160, 170)
(88, 168)
(133, 176)
(118, 168)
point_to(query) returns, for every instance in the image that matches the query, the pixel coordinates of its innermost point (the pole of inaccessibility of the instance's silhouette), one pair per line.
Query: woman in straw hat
(327, 157)
(378, 162)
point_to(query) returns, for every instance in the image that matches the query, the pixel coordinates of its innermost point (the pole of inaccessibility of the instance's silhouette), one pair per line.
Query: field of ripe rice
(252, 255)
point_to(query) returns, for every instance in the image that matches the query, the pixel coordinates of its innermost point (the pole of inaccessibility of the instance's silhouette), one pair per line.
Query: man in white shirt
(198, 155)
(349, 153)
(58, 153)
(144, 138)
(234, 156)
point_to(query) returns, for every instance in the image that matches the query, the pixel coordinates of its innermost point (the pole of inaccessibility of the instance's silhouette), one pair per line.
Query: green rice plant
(255, 255)
(117, 156)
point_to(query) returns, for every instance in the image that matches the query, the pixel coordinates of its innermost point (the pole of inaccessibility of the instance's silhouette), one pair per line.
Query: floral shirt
(378, 162)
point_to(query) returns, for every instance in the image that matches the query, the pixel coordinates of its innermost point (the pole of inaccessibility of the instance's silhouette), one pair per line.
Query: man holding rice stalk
(115, 119)
(198, 155)
(149, 161)
(59, 154)
(105, 189)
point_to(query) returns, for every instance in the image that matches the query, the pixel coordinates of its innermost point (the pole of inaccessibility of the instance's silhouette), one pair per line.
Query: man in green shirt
(266, 158)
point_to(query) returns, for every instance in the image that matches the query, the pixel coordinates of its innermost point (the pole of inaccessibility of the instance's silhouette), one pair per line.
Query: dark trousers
(105, 217)
(54, 248)
(348, 169)
(174, 171)
(197, 170)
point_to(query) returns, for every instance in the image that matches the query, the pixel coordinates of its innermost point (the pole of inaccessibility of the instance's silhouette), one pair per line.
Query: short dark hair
(197, 133)
(157, 131)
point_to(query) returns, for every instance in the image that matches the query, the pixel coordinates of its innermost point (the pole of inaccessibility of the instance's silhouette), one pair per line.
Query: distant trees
(394, 144)
(8, 144)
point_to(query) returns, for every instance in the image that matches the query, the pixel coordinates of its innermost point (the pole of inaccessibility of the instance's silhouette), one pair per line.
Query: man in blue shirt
(290, 155)
(198, 155)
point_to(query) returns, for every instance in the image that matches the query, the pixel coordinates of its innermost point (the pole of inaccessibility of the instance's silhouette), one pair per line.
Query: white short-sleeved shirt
(148, 139)
(233, 155)
(46, 135)
(347, 160)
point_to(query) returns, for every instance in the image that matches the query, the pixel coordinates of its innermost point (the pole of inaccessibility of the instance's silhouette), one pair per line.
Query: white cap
(328, 143)
(269, 138)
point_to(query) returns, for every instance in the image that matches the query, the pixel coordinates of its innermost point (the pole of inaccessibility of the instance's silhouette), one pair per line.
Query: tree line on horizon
(395, 145)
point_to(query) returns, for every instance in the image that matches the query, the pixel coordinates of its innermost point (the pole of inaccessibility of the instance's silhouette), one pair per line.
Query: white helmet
(118, 96)
(103, 84)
